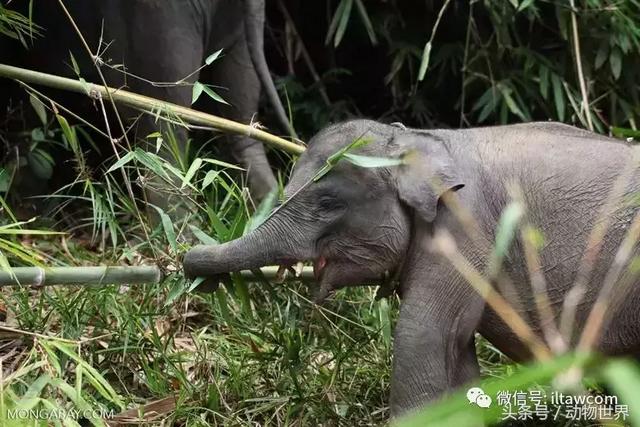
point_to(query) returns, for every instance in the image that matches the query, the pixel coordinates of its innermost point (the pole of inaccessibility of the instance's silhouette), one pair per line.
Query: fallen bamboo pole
(108, 275)
(38, 276)
(148, 105)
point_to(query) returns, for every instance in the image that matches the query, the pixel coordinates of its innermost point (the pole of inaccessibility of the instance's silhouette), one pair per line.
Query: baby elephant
(357, 223)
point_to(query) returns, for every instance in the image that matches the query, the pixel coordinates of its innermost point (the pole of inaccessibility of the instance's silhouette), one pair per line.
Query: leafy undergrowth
(245, 355)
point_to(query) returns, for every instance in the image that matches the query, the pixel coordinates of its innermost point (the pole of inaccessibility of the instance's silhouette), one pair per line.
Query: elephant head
(355, 222)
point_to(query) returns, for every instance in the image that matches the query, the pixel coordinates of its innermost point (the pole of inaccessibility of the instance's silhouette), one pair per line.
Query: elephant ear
(428, 172)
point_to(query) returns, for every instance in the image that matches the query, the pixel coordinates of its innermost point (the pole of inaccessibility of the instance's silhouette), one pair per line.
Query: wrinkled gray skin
(163, 41)
(166, 41)
(362, 222)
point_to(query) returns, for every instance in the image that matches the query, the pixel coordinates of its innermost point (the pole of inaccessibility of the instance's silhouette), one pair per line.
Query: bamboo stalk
(108, 275)
(38, 276)
(148, 104)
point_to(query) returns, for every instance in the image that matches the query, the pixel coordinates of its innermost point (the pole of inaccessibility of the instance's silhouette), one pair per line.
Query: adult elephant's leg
(165, 45)
(434, 348)
(235, 72)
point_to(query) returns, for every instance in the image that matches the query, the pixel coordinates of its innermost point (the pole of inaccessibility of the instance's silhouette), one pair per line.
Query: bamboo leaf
(334, 21)
(624, 378)
(196, 91)
(505, 233)
(195, 166)
(223, 164)
(615, 62)
(601, 56)
(202, 236)
(207, 89)
(178, 289)
(511, 104)
(5, 266)
(38, 107)
(371, 161)
(209, 178)
(344, 20)
(167, 225)
(424, 63)
(122, 161)
(367, 22)
(558, 96)
(212, 57)
(525, 4)
(263, 211)
(544, 82)
(333, 159)
(196, 282)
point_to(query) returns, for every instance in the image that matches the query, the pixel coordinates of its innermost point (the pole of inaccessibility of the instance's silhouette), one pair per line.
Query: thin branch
(576, 47)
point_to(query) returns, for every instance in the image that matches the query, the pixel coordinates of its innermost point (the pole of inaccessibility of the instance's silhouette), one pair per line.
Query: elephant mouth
(318, 266)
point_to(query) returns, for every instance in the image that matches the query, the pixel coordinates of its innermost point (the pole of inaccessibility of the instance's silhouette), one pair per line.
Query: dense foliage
(487, 61)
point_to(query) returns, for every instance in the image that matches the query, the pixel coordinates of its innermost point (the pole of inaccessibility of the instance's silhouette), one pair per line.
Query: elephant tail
(254, 31)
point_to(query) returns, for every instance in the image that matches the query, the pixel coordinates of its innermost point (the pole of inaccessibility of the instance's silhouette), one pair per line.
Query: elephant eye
(330, 203)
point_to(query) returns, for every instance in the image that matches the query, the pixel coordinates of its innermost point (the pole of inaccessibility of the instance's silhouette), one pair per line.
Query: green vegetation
(264, 354)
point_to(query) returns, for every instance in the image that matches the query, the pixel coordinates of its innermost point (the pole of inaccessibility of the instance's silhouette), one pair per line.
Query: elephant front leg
(434, 349)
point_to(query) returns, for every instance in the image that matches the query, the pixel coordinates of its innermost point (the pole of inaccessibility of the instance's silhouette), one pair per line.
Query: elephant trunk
(261, 247)
(254, 33)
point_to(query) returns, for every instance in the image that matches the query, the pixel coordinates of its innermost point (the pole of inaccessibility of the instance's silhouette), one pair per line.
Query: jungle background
(264, 354)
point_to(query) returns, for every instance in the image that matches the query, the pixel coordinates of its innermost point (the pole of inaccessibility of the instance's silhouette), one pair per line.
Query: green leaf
(384, 317)
(511, 104)
(624, 378)
(615, 62)
(263, 211)
(209, 178)
(212, 57)
(505, 232)
(5, 179)
(5, 266)
(454, 409)
(207, 89)
(167, 225)
(202, 236)
(177, 290)
(335, 157)
(558, 96)
(621, 132)
(601, 56)
(152, 161)
(68, 131)
(196, 92)
(74, 64)
(424, 63)
(195, 283)
(544, 82)
(344, 20)
(334, 21)
(122, 161)
(525, 4)
(367, 22)
(195, 166)
(372, 161)
(38, 107)
(223, 164)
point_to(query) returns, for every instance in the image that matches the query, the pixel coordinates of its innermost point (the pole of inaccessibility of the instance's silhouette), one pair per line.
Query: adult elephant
(145, 44)
(356, 223)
